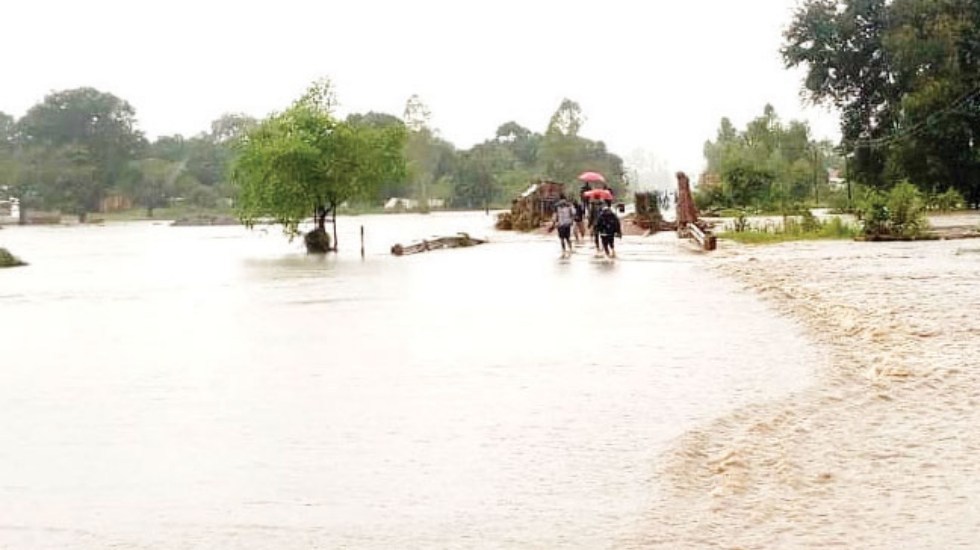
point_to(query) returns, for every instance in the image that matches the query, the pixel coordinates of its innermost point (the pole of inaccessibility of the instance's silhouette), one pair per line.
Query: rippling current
(215, 387)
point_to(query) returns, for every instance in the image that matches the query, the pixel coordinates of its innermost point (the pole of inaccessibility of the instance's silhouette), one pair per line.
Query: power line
(919, 127)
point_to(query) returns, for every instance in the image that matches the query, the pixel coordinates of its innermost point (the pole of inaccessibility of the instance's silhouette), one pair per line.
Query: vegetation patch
(896, 215)
(9, 260)
(793, 228)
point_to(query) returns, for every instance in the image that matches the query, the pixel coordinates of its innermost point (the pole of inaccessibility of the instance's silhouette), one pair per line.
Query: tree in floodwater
(304, 162)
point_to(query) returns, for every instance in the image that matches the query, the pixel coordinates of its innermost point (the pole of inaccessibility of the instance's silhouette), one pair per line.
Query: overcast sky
(651, 75)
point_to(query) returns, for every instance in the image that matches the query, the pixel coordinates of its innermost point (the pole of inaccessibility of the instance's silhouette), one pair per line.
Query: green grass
(833, 229)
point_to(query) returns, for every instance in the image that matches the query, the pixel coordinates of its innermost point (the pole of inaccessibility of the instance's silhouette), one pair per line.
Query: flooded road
(213, 387)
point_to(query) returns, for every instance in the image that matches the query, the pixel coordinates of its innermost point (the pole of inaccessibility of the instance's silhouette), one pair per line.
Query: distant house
(400, 203)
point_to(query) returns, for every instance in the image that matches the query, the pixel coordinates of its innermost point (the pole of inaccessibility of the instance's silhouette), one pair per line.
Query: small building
(399, 203)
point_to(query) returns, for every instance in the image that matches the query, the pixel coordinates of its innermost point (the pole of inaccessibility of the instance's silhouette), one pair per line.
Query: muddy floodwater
(880, 452)
(215, 387)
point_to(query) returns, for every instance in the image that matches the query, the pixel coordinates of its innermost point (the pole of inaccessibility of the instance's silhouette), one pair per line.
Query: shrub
(900, 213)
(9, 260)
(906, 210)
(947, 201)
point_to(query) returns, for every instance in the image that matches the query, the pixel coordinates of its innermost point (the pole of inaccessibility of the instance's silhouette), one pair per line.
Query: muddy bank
(881, 451)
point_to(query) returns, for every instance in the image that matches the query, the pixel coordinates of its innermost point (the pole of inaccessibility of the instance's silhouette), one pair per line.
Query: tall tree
(841, 43)
(95, 125)
(429, 157)
(905, 75)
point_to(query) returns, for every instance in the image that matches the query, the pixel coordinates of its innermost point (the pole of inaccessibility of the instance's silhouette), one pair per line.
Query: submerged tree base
(9, 260)
(317, 241)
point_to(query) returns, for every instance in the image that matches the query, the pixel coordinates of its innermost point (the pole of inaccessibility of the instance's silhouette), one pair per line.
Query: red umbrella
(592, 177)
(599, 195)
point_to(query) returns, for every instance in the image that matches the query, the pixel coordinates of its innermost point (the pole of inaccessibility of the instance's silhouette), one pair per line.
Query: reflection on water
(213, 387)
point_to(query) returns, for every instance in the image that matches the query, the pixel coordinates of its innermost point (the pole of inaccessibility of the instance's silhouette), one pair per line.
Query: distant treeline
(81, 151)
(768, 166)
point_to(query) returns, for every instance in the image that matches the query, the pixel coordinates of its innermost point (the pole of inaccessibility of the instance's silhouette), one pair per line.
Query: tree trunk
(319, 217)
(82, 216)
(333, 211)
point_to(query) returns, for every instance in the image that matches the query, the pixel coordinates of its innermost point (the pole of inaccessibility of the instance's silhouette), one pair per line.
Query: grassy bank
(791, 230)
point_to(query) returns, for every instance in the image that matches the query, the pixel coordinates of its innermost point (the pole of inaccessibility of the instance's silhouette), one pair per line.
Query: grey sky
(654, 75)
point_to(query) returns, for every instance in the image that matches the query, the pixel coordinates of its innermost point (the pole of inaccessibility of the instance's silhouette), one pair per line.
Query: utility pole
(816, 184)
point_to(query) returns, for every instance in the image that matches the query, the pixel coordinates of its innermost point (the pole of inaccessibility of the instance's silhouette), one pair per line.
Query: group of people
(571, 217)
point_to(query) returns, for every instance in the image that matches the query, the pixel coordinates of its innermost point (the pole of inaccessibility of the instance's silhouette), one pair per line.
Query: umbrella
(599, 194)
(592, 177)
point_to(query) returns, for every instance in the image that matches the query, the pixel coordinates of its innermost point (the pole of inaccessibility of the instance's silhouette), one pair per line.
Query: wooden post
(362, 242)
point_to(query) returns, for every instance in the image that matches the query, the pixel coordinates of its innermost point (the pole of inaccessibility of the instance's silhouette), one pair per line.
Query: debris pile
(533, 208)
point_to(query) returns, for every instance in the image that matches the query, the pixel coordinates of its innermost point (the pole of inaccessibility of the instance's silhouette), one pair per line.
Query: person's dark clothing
(607, 223)
(607, 228)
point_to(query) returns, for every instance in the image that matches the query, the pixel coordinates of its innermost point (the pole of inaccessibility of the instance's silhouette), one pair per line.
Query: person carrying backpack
(607, 226)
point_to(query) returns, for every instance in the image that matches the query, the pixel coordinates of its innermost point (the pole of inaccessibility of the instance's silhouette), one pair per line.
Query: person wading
(564, 218)
(607, 226)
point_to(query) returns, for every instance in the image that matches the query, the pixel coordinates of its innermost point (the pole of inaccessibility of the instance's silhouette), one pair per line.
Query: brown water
(880, 452)
(217, 388)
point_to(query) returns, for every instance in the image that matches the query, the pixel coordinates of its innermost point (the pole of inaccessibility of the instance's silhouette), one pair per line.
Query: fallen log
(460, 240)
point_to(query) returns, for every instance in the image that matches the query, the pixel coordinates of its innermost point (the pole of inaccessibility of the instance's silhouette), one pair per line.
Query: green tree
(564, 154)
(171, 148)
(304, 162)
(84, 122)
(477, 173)
(430, 158)
(208, 160)
(231, 127)
(8, 129)
(904, 74)
(154, 183)
(769, 165)
(522, 143)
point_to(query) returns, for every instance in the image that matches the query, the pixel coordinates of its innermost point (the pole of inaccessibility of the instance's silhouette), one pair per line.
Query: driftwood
(459, 240)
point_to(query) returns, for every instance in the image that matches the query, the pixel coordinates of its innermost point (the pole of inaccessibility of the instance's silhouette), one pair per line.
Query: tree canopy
(906, 76)
(303, 161)
(93, 134)
(769, 165)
